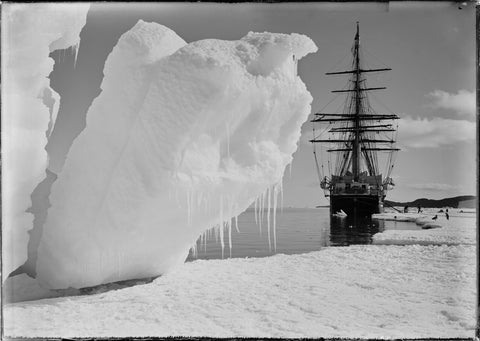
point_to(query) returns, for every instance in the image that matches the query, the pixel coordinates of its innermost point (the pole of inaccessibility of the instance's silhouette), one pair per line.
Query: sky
(429, 46)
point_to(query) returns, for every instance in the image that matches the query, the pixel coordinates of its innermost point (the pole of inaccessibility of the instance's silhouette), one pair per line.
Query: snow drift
(360, 291)
(181, 139)
(30, 33)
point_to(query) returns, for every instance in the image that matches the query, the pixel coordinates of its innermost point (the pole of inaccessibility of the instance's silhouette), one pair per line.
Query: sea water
(298, 230)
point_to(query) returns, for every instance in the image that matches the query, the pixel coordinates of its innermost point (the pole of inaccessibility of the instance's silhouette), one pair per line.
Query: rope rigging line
(385, 203)
(334, 98)
(365, 50)
(322, 132)
(338, 63)
(382, 104)
(319, 174)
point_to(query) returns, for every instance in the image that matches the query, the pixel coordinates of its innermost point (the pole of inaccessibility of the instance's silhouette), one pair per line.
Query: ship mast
(357, 184)
(356, 140)
(361, 140)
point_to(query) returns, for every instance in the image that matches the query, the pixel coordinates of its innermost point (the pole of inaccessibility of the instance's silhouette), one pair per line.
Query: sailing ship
(359, 139)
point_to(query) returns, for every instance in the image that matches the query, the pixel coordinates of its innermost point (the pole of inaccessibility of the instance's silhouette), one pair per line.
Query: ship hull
(356, 204)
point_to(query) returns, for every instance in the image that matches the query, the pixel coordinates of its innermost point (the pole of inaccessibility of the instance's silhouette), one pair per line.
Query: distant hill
(464, 201)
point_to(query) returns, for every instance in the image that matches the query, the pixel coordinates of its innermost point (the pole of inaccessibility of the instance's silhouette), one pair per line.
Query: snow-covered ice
(29, 107)
(458, 229)
(183, 137)
(397, 216)
(364, 291)
(417, 290)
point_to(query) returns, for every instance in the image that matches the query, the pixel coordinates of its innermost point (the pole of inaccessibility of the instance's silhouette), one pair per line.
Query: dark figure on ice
(405, 210)
(446, 214)
(435, 218)
(419, 209)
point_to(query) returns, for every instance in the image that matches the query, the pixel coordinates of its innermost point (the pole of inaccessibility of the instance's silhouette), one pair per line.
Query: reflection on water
(353, 230)
(298, 230)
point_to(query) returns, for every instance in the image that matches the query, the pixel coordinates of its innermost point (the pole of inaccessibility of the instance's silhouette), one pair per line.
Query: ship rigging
(357, 137)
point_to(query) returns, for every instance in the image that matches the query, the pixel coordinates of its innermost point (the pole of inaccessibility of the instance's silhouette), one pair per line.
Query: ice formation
(30, 33)
(183, 137)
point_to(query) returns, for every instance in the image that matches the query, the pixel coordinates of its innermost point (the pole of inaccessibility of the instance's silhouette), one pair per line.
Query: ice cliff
(29, 106)
(182, 138)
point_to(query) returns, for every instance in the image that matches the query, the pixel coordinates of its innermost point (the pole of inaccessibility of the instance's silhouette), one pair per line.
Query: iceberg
(183, 138)
(29, 33)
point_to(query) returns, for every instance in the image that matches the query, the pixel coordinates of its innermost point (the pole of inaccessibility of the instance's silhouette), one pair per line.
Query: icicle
(205, 236)
(290, 169)
(268, 219)
(200, 241)
(255, 209)
(275, 193)
(76, 48)
(222, 242)
(229, 226)
(260, 213)
(281, 195)
(264, 199)
(236, 224)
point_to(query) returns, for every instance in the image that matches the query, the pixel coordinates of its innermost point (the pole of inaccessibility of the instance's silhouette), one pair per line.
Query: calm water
(299, 230)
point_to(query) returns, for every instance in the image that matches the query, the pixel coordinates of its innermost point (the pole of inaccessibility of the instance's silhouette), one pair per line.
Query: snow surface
(397, 216)
(364, 291)
(182, 138)
(29, 107)
(459, 229)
